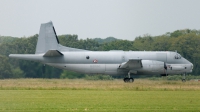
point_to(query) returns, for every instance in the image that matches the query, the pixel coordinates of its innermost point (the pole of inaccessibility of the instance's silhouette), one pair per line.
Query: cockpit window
(177, 56)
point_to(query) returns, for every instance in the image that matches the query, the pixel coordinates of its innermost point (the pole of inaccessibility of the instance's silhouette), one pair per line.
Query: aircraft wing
(52, 53)
(132, 64)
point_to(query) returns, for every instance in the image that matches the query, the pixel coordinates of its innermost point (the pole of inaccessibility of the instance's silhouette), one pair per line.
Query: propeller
(43, 70)
(165, 67)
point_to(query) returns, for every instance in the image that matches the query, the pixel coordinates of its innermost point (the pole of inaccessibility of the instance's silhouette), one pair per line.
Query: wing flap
(132, 64)
(52, 53)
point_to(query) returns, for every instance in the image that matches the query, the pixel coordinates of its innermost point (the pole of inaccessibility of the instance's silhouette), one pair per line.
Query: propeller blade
(43, 69)
(165, 67)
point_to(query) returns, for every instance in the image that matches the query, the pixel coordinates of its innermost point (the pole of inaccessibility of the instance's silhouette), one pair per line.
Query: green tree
(5, 69)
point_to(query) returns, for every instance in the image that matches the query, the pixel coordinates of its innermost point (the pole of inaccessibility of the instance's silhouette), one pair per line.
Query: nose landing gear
(183, 79)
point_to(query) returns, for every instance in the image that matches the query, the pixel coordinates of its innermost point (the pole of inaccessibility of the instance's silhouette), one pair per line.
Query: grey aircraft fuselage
(114, 62)
(108, 62)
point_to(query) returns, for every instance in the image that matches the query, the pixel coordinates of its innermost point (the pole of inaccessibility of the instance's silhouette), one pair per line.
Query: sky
(122, 19)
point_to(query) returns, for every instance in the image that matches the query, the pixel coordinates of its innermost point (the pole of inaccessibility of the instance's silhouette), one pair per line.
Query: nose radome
(191, 66)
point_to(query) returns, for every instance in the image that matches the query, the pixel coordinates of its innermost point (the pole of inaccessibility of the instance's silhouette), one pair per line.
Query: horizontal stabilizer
(53, 53)
(132, 64)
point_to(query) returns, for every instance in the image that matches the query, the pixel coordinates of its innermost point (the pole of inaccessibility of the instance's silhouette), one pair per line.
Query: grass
(80, 95)
(81, 84)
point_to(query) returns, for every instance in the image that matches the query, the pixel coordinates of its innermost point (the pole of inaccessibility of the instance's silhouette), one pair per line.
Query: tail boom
(31, 57)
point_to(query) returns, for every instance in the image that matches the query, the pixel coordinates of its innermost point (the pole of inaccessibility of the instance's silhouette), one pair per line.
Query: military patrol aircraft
(114, 62)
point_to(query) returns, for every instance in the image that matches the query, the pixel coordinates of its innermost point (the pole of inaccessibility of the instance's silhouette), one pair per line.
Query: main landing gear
(129, 78)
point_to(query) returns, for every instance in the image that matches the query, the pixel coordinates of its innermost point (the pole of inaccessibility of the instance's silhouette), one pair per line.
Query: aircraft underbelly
(95, 68)
(82, 68)
(112, 69)
(109, 69)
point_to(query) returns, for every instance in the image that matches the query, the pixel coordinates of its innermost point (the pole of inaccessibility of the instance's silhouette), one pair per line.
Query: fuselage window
(87, 57)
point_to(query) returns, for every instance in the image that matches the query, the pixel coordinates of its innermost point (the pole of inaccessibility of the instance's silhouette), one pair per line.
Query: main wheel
(126, 79)
(183, 80)
(131, 80)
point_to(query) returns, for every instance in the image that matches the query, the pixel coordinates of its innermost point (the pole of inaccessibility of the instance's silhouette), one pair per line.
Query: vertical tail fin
(47, 39)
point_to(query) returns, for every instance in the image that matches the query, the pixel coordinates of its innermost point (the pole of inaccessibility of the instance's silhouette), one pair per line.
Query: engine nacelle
(153, 66)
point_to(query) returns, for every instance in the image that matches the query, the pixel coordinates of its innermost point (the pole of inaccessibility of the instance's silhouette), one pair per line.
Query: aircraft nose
(191, 68)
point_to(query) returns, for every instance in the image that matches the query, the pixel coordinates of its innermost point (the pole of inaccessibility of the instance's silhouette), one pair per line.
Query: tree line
(186, 42)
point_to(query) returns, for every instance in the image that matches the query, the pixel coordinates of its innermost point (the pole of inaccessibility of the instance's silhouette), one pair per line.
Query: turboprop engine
(153, 66)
